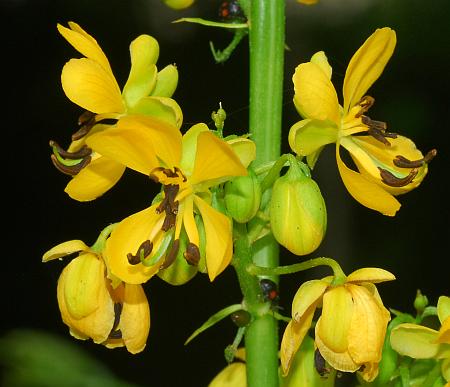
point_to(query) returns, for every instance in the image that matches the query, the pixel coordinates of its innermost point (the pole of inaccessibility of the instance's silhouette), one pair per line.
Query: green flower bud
(178, 4)
(297, 212)
(243, 197)
(421, 302)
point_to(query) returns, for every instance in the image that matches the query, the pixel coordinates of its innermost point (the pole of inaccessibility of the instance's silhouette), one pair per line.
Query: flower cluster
(184, 230)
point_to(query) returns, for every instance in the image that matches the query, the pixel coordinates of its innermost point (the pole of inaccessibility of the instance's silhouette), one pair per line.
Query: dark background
(412, 96)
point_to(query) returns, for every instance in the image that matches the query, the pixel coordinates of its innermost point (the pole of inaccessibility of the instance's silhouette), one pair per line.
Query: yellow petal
(126, 238)
(367, 327)
(189, 221)
(342, 361)
(293, 337)
(90, 86)
(190, 146)
(369, 371)
(85, 44)
(307, 294)
(334, 327)
(215, 159)
(138, 142)
(321, 60)
(367, 64)
(218, 238)
(308, 136)
(144, 51)
(135, 318)
(64, 249)
(96, 325)
(366, 192)
(315, 96)
(95, 179)
(244, 148)
(370, 274)
(415, 341)
(233, 375)
(443, 308)
(444, 332)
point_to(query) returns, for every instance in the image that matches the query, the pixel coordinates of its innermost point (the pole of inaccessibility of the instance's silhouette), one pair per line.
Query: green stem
(266, 36)
(339, 276)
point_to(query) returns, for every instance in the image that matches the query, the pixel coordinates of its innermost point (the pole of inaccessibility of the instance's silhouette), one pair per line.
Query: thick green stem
(266, 35)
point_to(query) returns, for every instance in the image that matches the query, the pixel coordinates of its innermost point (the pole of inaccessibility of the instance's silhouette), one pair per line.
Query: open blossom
(388, 164)
(90, 83)
(187, 166)
(92, 307)
(420, 342)
(350, 331)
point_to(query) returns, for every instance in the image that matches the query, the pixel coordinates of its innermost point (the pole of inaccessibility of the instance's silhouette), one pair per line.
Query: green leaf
(210, 23)
(214, 319)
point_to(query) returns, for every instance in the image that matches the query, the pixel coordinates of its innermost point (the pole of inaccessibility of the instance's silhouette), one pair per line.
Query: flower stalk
(266, 35)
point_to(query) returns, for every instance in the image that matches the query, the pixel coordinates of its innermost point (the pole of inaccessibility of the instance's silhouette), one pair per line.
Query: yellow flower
(90, 83)
(421, 342)
(92, 308)
(187, 167)
(234, 374)
(350, 331)
(388, 164)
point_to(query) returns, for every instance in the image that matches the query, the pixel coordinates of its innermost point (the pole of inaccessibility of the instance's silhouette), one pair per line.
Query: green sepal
(180, 271)
(198, 20)
(166, 82)
(214, 319)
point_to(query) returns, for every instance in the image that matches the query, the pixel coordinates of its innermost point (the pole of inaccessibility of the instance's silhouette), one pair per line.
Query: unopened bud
(178, 4)
(297, 212)
(243, 197)
(166, 82)
(420, 302)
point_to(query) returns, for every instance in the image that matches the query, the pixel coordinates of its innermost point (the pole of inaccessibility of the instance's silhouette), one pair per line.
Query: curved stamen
(390, 179)
(170, 258)
(71, 170)
(365, 103)
(82, 152)
(402, 162)
(143, 252)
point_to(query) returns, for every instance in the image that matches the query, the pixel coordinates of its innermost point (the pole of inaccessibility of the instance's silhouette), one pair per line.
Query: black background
(411, 95)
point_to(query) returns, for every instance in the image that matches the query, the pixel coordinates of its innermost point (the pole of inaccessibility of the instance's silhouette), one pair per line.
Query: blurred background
(412, 96)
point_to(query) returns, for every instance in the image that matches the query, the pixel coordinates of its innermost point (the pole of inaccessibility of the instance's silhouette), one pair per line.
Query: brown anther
(402, 162)
(79, 154)
(380, 125)
(192, 254)
(170, 258)
(143, 251)
(169, 205)
(378, 135)
(115, 335)
(169, 222)
(365, 103)
(393, 181)
(320, 364)
(86, 117)
(71, 170)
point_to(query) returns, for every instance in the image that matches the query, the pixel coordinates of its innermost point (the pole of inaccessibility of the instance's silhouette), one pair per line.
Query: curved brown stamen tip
(170, 258)
(430, 155)
(143, 252)
(402, 162)
(79, 154)
(86, 117)
(393, 181)
(192, 254)
(379, 125)
(71, 170)
(169, 222)
(320, 364)
(83, 131)
(117, 312)
(378, 135)
(365, 103)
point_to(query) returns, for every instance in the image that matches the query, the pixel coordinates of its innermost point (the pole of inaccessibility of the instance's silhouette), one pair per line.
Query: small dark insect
(320, 364)
(270, 291)
(231, 12)
(241, 318)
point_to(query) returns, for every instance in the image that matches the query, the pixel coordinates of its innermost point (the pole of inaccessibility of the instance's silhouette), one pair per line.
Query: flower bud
(420, 302)
(243, 197)
(297, 212)
(178, 4)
